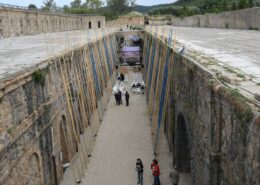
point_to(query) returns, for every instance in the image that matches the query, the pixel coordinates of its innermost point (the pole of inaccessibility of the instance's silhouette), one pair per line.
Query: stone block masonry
(212, 129)
(49, 116)
(240, 19)
(123, 21)
(17, 22)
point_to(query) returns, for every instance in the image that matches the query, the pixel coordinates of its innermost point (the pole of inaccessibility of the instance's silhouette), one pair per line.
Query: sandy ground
(125, 136)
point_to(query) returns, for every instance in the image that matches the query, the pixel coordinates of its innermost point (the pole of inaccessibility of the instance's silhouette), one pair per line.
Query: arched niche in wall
(182, 149)
(89, 25)
(99, 24)
(64, 141)
(34, 171)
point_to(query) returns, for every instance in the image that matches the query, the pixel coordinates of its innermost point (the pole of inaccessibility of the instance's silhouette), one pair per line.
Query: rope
(170, 76)
(65, 135)
(152, 63)
(93, 89)
(66, 89)
(164, 88)
(75, 103)
(154, 82)
(107, 55)
(87, 94)
(86, 102)
(161, 90)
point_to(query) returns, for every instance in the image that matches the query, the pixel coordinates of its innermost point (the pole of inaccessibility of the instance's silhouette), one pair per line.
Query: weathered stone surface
(42, 121)
(239, 19)
(212, 122)
(16, 22)
(126, 20)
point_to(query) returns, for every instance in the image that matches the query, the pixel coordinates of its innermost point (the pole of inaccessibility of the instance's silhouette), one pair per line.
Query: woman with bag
(140, 171)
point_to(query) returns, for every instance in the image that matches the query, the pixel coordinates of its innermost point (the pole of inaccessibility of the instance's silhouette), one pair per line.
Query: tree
(93, 4)
(224, 5)
(250, 3)
(242, 4)
(66, 8)
(75, 4)
(119, 6)
(32, 7)
(49, 5)
(234, 6)
(131, 3)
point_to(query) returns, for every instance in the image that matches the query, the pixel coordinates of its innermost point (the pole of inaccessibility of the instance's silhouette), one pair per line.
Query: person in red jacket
(156, 172)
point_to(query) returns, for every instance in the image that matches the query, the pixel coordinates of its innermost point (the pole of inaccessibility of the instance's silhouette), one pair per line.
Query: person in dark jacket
(122, 77)
(117, 98)
(127, 98)
(140, 171)
(120, 97)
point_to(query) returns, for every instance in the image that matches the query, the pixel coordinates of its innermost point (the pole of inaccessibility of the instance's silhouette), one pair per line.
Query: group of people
(118, 94)
(118, 97)
(155, 172)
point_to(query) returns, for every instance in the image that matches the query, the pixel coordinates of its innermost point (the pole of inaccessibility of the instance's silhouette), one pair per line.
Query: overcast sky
(38, 3)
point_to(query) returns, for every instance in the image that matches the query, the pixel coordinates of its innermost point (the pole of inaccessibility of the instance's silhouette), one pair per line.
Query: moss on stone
(245, 112)
(241, 75)
(257, 97)
(39, 76)
(1, 99)
(220, 77)
(10, 131)
(237, 72)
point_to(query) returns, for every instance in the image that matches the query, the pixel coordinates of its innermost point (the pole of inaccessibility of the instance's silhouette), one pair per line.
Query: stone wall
(210, 127)
(126, 20)
(50, 115)
(240, 19)
(159, 20)
(158, 23)
(16, 22)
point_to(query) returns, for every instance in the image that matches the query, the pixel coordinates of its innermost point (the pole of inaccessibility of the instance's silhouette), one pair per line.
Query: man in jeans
(140, 171)
(156, 172)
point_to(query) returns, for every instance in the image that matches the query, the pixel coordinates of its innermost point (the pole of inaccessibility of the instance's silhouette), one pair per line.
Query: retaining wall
(16, 22)
(50, 116)
(210, 127)
(126, 20)
(240, 19)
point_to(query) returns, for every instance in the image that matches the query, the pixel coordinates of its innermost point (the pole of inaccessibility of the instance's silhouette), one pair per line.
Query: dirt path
(125, 136)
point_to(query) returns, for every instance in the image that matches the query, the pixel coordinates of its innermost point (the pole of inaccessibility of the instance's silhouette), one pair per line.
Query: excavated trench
(60, 123)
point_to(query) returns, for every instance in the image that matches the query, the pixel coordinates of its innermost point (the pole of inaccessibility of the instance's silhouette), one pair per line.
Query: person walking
(127, 98)
(156, 172)
(116, 98)
(120, 97)
(140, 171)
(175, 177)
(122, 77)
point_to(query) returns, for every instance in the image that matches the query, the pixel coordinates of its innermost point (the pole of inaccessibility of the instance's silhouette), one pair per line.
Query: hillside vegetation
(115, 8)
(183, 8)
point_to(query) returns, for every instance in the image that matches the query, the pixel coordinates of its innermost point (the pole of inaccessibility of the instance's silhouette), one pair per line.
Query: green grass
(241, 75)
(246, 114)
